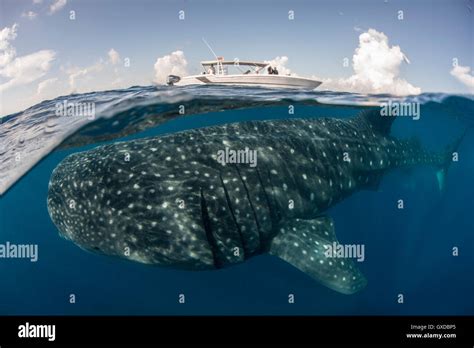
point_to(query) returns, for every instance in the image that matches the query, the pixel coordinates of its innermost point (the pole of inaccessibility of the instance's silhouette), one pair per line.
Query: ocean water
(407, 251)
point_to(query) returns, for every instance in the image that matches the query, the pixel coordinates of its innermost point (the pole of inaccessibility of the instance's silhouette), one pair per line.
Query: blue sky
(323, 33)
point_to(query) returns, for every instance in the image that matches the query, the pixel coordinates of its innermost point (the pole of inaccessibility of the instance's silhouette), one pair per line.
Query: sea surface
(407, 251)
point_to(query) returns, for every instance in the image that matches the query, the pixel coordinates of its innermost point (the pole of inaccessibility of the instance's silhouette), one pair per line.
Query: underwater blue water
(407, 251)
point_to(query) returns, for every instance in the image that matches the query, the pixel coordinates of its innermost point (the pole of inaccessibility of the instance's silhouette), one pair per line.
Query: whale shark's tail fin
(312, 247)
(449, 158)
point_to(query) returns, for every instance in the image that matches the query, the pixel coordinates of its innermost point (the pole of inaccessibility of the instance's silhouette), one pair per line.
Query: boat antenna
(209, 46)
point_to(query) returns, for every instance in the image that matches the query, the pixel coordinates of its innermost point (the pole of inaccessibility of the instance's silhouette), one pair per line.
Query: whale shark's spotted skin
(167, 201)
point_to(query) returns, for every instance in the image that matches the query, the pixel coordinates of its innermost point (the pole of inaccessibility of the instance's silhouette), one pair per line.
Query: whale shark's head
(117, 200)
(74, 205)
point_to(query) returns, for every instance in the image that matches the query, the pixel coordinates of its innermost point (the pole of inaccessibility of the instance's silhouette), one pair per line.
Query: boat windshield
(232, 67)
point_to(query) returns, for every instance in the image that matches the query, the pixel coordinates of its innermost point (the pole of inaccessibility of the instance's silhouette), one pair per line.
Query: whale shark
(176, 201)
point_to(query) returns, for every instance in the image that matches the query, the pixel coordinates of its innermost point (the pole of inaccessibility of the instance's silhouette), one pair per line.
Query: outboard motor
(172, 79)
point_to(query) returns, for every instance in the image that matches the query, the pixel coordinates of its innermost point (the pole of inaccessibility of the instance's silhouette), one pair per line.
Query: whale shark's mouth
(56, 205)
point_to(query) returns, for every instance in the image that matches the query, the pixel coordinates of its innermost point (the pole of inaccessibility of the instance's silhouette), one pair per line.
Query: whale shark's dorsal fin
(305, 245)
(375, 119)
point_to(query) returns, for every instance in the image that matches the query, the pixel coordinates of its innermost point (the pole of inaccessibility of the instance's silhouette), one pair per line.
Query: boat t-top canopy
(222, 65)
(232, 62)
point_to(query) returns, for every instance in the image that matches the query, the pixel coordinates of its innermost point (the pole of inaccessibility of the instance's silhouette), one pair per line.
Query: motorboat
(242, 73)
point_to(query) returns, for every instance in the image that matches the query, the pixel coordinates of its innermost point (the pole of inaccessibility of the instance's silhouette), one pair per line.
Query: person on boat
(212, 70)
(275, 71)
(270, 70)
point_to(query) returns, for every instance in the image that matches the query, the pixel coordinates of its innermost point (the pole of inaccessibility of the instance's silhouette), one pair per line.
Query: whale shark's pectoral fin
(309, 246)
(442, 171)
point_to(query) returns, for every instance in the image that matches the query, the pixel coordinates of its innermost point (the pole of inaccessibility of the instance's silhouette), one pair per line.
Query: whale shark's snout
(61, 202)
(69, 203)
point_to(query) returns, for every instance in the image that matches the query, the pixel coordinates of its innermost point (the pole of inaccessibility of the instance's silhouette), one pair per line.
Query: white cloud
(463, 74)
(376, 68)
(114, 56)
(30, 15)
(8, 34)
(7, 51)
(20, 70)
(26, 69)
(77, 73)
(57, 5)
(171, 64)
(280, 64)
(43, 86)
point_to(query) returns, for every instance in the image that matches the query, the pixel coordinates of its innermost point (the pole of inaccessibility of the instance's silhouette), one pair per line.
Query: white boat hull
(278, 81)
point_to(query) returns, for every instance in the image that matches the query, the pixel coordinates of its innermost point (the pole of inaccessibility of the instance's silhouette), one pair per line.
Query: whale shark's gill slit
(251, 207)
(206, 222)
(272, 186)
(273, 215)
(229, 206)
